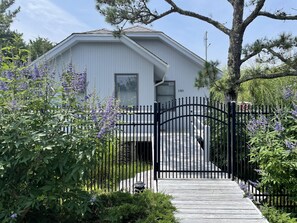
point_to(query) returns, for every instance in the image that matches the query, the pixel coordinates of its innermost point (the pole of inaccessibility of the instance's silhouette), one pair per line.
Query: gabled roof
(138, 29)
(104, 35)
(146, 33)
(135, 32)
(98, 31)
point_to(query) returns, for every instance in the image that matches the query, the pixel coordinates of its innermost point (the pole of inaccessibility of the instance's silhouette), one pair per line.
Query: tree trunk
(235, 48)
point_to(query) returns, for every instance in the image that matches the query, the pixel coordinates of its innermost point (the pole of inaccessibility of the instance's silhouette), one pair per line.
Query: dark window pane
(166, 92)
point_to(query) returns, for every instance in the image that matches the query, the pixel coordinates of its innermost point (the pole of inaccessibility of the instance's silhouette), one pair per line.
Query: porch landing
(210, 201)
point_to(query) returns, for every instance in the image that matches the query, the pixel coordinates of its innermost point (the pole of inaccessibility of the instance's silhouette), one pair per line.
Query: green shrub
(275, 216)
(50, 137)
(123, 207)
(274, 148)
(115, 207)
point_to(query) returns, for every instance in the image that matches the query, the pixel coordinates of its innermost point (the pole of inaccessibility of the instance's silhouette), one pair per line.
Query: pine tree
(245, 12)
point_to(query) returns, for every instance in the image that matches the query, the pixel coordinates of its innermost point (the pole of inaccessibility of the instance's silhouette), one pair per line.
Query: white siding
(181, 69)
(103, 60)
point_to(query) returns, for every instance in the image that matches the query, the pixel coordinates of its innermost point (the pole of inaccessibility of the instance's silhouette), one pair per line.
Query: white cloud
(44, 18)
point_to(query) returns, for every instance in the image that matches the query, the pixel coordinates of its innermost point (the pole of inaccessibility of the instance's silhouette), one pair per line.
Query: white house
(140, 67)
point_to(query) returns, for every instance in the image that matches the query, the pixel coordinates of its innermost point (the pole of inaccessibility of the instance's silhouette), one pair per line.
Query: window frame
(137, 90)
(167, 81)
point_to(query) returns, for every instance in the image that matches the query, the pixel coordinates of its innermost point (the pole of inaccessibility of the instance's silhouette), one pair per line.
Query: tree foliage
(8, 37)
(38, 47)
(266, 92)
(119, 12)
(6, 18)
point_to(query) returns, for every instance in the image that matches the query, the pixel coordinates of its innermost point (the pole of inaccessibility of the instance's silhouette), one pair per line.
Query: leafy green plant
(275, 216)
(122, 207)
(49, 140)
(274, 147)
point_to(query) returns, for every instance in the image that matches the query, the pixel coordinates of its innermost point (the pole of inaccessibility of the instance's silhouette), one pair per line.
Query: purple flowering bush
(49, 141)
(274, 147)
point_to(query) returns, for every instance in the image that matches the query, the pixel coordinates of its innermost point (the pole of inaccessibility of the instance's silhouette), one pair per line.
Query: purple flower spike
(14, 216)
(3, 86)
(288, 93)
(10, 75)
(105, 117)
(74, 82)
(13, 105)
(290, 145)
(294, 111)
(243, 186)
(256, 124)
(278, 127)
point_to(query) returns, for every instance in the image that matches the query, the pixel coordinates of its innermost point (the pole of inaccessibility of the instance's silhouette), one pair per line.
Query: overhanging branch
(278, 16)
(249, 56)
(156, 17)
(267, 76)
(215, 23)
(254, 14)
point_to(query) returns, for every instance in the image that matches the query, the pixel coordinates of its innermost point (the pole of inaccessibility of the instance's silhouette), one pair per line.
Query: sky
(57, 19)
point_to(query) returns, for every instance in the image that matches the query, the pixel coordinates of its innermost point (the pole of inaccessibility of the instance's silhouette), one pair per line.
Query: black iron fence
(246, 173)
(185, 138)
(185, 130)
(128, 157)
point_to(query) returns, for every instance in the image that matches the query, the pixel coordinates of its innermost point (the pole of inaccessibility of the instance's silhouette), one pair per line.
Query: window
(126, 89)
(166, 92)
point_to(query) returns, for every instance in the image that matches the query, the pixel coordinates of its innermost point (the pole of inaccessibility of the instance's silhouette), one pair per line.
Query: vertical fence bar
(187, 155)
(201, 137)
(156, 133)
(229, 149)
(233, 138)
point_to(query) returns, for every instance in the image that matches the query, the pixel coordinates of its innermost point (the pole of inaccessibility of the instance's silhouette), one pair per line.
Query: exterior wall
(102, 61)
(181, 69)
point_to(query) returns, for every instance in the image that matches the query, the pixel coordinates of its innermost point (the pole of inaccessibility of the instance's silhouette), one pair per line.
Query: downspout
(160, 82)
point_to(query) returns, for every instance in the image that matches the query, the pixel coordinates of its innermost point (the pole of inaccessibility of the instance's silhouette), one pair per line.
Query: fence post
(156, 139)
(231, 139)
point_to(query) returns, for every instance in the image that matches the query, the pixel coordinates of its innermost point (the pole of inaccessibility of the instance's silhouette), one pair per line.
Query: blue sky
(57, 19)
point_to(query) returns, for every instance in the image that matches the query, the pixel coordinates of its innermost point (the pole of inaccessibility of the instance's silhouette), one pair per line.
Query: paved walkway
(210, 201)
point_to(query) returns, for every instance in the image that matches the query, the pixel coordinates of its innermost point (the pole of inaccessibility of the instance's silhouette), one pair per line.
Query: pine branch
(231, 2)
(267, 76)
(286, 61)
(278, 15)
(254, 14)
(251, 55)
(215, 23)
(156, 16)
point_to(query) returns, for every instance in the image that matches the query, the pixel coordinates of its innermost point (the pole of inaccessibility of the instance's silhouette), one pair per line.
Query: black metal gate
(192, 139)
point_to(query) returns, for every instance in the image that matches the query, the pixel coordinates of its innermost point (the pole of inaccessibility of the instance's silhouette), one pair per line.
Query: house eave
(161, 66)
(163, 37)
